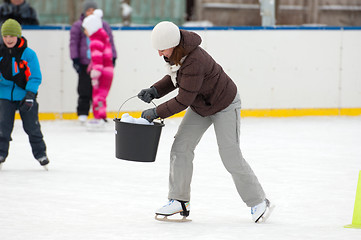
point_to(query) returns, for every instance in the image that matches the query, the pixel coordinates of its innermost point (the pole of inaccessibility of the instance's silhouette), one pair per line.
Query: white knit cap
(93, 22)
(165, 35)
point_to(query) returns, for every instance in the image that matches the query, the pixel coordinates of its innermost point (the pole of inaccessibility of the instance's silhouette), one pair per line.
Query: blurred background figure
(80, 54)
(19, 10)
(126, 12)
(100, 67)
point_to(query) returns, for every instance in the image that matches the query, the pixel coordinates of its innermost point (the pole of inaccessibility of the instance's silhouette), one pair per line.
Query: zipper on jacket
(12, 92)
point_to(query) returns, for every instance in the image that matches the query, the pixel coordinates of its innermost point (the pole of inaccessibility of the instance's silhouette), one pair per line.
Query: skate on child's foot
(44, 161)
(82, 119)
(171, 208)
(2, 160)
(261, 212)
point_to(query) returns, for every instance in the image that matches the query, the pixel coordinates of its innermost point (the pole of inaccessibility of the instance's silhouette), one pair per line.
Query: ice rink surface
(308, 166)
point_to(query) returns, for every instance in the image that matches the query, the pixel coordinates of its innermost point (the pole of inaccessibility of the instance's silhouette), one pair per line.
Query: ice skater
(101, 65)
(80, 55)
(210, 97)
(20, 77)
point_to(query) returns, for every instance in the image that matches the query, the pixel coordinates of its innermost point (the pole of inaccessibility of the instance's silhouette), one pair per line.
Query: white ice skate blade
(163, 218)
(266, 214)
(1, 166)
(46, 167)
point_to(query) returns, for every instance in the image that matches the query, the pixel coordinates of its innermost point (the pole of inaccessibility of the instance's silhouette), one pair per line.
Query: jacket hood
(190, 41)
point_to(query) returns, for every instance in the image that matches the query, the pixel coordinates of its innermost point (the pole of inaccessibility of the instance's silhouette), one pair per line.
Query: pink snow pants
(101, 92)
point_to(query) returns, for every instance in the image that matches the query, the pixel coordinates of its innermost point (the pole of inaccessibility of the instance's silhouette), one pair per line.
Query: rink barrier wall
(280, 71)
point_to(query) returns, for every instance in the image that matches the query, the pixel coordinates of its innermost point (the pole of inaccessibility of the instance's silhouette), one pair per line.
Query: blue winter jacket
(8, 88)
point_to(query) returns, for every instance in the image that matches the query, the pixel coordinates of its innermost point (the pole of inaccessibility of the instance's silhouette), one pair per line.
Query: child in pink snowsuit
(101, 65)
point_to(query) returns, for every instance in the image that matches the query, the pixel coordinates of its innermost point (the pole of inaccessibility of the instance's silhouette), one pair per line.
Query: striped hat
(11, 28)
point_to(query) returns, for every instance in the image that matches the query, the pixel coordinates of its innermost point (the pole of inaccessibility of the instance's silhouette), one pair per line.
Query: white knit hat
(165, 35)
(93, 22)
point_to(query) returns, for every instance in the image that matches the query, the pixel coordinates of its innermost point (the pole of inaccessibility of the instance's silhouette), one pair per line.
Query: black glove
(76, 64)
(28, 101)
(150, 114)
(148, 94)
(114, 59)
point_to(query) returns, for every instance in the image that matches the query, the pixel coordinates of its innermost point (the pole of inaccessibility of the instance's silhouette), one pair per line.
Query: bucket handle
(162, 120)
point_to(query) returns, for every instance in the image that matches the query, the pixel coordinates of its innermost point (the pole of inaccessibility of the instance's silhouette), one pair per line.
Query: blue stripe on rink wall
(215, 28)
(247, 28)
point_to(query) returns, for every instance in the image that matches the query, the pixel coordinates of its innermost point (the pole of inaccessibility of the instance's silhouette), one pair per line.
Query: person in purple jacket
(80, 54)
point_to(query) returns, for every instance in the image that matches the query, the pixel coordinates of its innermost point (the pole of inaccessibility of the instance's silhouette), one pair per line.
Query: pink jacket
(101, 56)
(101, 71)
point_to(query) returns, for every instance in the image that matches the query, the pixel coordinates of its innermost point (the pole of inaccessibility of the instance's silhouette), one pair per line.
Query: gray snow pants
(227, 128)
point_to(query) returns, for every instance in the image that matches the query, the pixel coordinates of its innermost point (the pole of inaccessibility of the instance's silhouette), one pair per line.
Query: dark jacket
(78, 42)
(24, 13)
(202, 83)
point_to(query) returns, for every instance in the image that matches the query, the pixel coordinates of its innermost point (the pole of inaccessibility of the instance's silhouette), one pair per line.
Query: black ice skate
(2, 160)
(44, 161)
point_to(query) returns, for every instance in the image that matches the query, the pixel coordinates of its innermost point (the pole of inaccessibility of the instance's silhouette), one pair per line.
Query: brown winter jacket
(202, 83)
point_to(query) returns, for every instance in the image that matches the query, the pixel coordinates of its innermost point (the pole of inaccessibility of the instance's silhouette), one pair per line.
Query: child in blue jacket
(20, 78)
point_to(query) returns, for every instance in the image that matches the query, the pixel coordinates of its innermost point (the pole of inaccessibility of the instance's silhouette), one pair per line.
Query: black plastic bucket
(136, 142)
